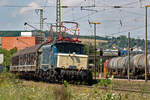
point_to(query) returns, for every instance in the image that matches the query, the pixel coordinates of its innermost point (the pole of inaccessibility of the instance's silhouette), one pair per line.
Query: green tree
(7, 56)
(86, 49)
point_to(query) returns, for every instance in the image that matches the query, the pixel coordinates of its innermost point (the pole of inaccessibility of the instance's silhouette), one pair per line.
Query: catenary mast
(58, 15)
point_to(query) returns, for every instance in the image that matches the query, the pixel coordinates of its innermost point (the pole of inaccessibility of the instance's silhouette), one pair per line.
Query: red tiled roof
(17, 42)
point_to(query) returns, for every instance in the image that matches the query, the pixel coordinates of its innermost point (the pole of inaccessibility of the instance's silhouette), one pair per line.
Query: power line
(135, 13)
(99, 11)
(114, 6)
(133, 29)
(121, 6)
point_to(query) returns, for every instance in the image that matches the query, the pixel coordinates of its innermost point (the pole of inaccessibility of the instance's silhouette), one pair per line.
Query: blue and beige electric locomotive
(54, 61)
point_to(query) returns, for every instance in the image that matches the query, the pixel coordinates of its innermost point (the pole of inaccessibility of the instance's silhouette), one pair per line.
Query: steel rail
(117, 89)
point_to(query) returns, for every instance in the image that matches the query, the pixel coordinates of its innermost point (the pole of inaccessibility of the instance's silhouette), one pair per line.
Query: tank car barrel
(137, 65)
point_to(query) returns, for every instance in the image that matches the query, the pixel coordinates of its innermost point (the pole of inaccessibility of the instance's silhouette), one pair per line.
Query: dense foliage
(122, 42)
(7, 56)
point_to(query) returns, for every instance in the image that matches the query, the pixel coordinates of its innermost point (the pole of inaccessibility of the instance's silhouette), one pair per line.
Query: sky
(114, 21)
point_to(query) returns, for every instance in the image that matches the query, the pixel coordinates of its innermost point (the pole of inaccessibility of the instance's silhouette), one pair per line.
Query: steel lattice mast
(41, 25)
(58, 16)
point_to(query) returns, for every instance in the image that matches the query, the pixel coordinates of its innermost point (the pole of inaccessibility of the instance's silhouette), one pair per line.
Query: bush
(65, 83)
(7, 78)
(104, 82)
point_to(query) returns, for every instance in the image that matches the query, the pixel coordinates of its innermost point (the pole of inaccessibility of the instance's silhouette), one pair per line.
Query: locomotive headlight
(73, 54)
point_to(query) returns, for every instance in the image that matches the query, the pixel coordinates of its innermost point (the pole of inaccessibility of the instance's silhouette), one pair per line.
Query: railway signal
(119, 53)
(101, 52)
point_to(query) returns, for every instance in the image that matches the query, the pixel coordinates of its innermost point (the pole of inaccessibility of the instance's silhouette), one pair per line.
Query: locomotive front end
(72, 61)
(70, 55)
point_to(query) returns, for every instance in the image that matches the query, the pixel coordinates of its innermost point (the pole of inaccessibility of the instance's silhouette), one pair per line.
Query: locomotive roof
(67, 42)
(36, 47)
(28, 50)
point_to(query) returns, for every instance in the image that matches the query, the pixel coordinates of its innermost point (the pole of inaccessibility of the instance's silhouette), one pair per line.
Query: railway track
(136, 88)
(128, 90)
(117, 89)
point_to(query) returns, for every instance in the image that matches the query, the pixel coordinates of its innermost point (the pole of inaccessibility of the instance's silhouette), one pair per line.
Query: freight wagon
(118, 66)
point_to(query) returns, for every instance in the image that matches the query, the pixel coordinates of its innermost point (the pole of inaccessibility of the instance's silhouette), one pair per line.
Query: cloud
(14, 13)
(31, 5)
(52, 1)
(9, 24)
(67, 2)
(72, 2)
(3, 2)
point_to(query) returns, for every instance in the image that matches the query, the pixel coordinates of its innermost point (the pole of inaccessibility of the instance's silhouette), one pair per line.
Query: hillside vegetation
(122, 42)
(118, 42)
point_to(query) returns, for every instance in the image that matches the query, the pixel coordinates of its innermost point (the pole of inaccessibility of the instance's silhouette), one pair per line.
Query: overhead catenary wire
(101, 10)
(133, 29)
(116, 7)
(127, 5)
(134, 13)
(92, 14)
(74, 6)
(66, 6)
(129, 30)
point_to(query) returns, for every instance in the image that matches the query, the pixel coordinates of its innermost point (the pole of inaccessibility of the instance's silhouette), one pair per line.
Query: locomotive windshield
(69, 48)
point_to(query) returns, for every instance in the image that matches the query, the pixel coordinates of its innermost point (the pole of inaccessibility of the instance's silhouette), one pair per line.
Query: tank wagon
(118, 66)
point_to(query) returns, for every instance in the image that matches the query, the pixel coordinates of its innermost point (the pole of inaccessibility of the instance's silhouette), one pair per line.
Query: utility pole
(129, 56)
(58, 15)
(95, 23)
(146, 42)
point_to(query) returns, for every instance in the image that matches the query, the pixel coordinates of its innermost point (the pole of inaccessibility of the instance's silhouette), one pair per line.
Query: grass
(12, 88)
